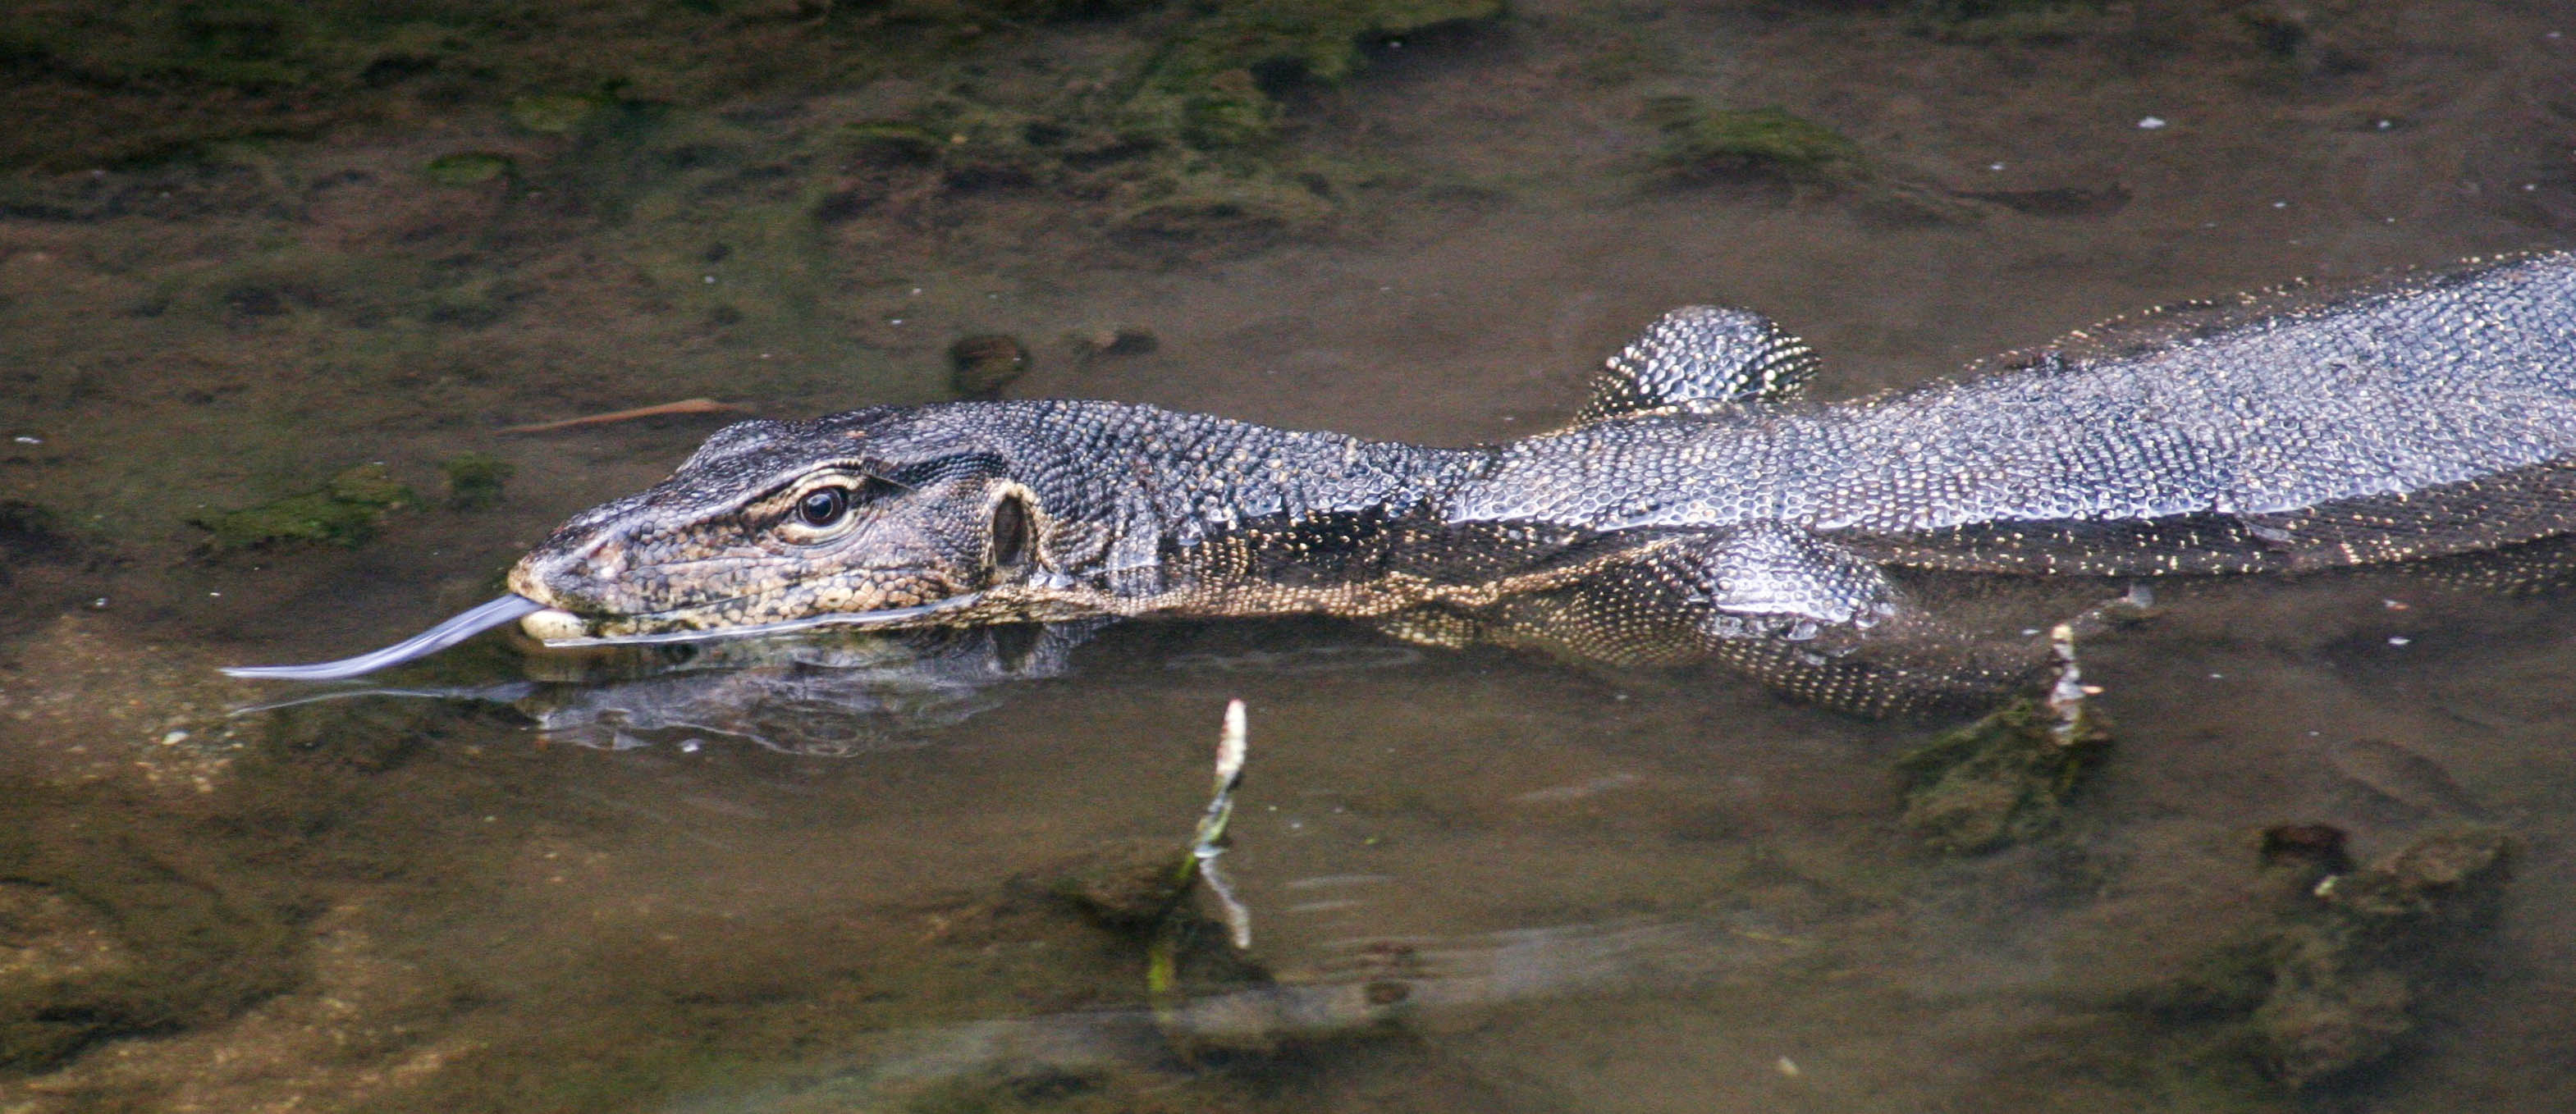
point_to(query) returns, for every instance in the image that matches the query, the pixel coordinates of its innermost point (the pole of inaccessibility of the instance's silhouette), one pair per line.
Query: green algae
(2002, 780)
(1213, 206)
(1215, 83)
(1228, 110)
(1703, 141)
(154, 79)
(158, 78)
(554, 113)
(469, 168)
(474, 480)
(2005, 21)
(896, 140)
(345, 511)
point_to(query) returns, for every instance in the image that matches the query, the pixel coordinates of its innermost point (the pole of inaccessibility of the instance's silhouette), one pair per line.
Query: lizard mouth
(563, 628)
(557, 627)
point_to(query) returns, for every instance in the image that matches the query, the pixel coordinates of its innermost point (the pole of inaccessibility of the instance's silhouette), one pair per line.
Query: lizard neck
(1168, 502)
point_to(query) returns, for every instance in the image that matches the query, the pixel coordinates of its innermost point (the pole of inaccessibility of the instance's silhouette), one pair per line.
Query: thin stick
(1229, 776)
(1199, 866)
(667, 409)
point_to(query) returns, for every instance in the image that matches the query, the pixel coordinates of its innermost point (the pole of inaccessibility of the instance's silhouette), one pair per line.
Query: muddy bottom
(259, 397)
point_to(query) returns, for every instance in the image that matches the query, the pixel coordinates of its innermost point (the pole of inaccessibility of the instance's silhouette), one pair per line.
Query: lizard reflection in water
(1697, 506)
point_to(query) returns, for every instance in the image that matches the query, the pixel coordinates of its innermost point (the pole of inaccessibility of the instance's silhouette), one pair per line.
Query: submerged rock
(2331, 977)
(2348, 974)
(1127, 887)
(981, 365)
(2001, 780)
(1111, 340)
(107, 937)
(474, 480)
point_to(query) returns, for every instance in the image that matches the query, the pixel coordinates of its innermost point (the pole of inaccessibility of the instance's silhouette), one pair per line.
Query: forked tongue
(505, 610)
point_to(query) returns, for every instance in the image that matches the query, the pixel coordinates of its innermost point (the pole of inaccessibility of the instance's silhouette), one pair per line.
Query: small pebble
(2151, 123)
(2398, 640)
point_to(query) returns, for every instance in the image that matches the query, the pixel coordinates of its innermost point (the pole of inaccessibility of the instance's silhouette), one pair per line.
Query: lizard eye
(827, 506)
(823, 506)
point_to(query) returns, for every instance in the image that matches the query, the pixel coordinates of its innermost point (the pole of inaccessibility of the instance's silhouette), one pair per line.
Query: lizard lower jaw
(554, 624)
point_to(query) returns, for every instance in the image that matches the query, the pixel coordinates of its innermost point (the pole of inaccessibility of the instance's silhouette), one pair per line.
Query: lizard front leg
(1799, 615)
(1676, 595)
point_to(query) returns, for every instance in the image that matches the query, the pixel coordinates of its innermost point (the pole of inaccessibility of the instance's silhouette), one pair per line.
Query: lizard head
(901, 516)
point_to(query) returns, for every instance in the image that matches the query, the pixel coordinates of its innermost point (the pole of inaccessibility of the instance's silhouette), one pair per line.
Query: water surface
(1478, 880)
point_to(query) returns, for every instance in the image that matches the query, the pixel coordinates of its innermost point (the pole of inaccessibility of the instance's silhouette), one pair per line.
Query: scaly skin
(1696, 499)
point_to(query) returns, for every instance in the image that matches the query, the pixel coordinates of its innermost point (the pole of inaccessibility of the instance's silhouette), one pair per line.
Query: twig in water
(1204, 852)
(2065, 700)
(1163, 954)
(664, 410)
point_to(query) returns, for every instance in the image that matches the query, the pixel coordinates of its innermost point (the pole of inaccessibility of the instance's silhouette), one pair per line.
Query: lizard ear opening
(1012, 530)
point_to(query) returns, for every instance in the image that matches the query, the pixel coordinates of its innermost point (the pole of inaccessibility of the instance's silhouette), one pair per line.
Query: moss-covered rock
(2349, 973)
(2332, 981)
(346, 511)
(2001, 780)
(1700, 141)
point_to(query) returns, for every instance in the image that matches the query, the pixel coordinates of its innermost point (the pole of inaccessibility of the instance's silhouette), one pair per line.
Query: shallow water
(1477, 880)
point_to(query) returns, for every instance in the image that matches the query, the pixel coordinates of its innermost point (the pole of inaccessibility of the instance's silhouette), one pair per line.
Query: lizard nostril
(563, 578)
(604, 558)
